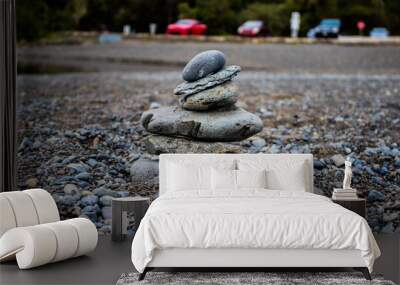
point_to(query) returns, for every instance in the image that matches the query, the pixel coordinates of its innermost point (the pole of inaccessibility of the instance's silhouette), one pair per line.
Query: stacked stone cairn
(206, 110)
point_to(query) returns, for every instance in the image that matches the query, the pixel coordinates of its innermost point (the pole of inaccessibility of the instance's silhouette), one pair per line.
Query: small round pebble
(203, 64)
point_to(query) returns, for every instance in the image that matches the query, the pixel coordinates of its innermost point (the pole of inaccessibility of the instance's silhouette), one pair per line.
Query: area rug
(243, 278)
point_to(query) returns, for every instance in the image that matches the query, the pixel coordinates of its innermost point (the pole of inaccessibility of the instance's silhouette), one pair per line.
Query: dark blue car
(328, 28)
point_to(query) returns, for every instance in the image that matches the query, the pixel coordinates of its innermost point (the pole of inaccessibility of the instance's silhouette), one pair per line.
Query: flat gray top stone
(226, 74)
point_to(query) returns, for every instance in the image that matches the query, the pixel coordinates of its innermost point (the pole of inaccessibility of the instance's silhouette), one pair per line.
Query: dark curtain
(7, 96)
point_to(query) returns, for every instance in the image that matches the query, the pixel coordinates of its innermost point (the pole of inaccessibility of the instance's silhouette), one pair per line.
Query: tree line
(40, 18)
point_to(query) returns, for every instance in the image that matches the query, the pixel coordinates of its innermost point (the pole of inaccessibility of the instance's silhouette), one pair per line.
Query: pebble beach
(80, 136)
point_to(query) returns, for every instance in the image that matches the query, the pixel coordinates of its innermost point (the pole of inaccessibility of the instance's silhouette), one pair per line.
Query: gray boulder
(338, 160)
(203, 64)
(230, 124)
(89, 200)
(71, 189)
(106, 200)
(144, 170)
(78, 167)
(257, 144)
(219, 96)
(101, 191)
(226, 74)
(106, 212)
(32, 182)
(161, 144)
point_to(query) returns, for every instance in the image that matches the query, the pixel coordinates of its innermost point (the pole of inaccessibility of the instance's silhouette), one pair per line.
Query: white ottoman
(31, 230)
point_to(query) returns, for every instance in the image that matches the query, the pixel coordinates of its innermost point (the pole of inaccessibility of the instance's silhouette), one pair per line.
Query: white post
(153, 29)
(126, 30)
(295, 24)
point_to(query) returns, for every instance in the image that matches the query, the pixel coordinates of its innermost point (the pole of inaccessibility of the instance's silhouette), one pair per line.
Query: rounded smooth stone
(203, 64)
(68, 200)
(88, 209)
(86, 193)
(231, 124)
(374, 195)
(71, 189)
(84, 176)
(89, 200)
(144, 170)
(106, 200)
(106, 212)
(123, 193)
(101, 191)
(258, 143)
(32, 182)
(217, 97)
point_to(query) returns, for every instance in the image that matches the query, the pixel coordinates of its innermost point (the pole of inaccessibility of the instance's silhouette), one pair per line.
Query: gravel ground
(79, 134)
(315, 58)
(80, 138)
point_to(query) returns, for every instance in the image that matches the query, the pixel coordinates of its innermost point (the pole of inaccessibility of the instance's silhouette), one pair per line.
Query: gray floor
(103, 266)
(110, 260)
(389, 263)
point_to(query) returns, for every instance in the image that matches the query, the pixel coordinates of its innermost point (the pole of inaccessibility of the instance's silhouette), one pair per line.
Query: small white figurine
(347, 175)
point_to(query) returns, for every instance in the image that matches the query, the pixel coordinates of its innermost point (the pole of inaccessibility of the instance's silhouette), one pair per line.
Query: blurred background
(324, 77)
(42, 18)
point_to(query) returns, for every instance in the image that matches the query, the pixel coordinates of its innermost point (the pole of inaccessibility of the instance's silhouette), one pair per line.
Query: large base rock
(233, 124)
(161, 144)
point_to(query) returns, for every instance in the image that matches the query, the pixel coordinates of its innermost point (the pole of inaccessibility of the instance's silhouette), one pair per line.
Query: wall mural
(90, 131)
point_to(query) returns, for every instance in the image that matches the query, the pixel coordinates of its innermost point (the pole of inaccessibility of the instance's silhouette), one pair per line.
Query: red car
(252, 29)
(187, 27)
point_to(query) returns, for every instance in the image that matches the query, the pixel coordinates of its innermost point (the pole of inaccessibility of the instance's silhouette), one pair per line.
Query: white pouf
(31, 230)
